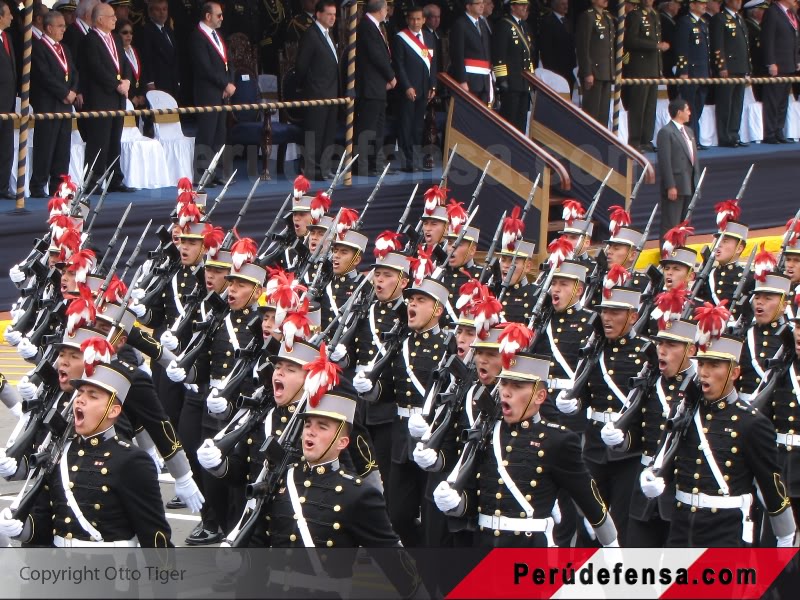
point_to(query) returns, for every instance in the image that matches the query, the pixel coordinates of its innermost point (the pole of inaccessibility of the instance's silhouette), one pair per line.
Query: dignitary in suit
(755, 9)
(317, 72)
(731, 59)
(54, 88)
(374, 76)
(137, 91)
(76, 32)
(433, 19)
(594, 43)
(556, 42)
(159, 50)
(781, 55)
(213, 84)
(512, 53)
(105, 81)
(678, 165)
(693, 59)
(414, 62)
(668, 15)
(470, 53)
(8, 95)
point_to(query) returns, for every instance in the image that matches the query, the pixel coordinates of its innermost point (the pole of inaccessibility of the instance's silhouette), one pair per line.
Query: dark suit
(373, 72)
(556, 46)
(756, 54)
(731, 53)
(693, 55)
(594, 43)
(73, 38)
(8, 95)
(211, 76)
(675, 169)
(669, 27)
(642, 36)
(99, 80)
(317, 72)
(467, 44)
(159, 52)
(49, 86)
(779, 39)
(511, 55)
(413, 72)
(438, 57)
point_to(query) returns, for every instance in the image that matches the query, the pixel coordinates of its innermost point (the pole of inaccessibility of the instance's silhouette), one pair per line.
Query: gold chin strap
(573, 294)
(396, 287)
(780, 308)
(333, 440)
(253, 296)
(727, 379)
(109, 404)
(116, 337)
(433, 312)
(628, 256)
(528, 405)
(352, 264)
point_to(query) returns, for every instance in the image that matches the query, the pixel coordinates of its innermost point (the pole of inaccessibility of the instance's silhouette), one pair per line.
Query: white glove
(192, 387)
(16, 274)
(16, 410)
(611, 435)
(556, 513)
(786, 541)
(361, 383)
(208, 455)
(8, 465)
(445, 497)
(138, 294)
(338, 353)
(417, 426)
(186, 489)
(16, 313)
(169, 341)
(216, 404)
(8, 526)
(424, 457)
(176, 373)
(26, 349)
(146, 368)
(157, 460)
(651, 485)
(27, 389)
(137, 309)
(568, 406)
(13, 337)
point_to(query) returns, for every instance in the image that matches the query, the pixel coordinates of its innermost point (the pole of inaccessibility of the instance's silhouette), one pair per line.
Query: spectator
(300, 22)
(159, 50)
(781, 57)
(470, 43)
(37, 23)
(556, 43)
(213, 85)
(668, 13)
(67, 8)
(74, 35)
(54, 88)
(136, 93)
(433, 20)
(122, 9)
(8, 95)
(594, 42)
(731, 59)
(693, 59)
(511, 55)
(374, 76)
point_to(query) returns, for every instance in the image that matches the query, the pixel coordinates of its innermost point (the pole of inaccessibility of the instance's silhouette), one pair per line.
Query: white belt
(404, 411)
(604, 417)
(647, 460)
(496, 523)
(61, 542)
(216, 383)
(560, 384)
(706, 501)
(787, 439)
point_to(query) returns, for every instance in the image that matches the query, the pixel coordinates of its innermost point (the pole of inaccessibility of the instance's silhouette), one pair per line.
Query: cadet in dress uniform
(678, 269)
(648, 526)
(791, 269)
(727, 445)
(605, 395)
(530, 461)
(434, 226)
(580, 232)
(106, 493)
(693, 52)
(594, 44)
(620, 249)
(511, 54)
(347, 252)
(519, 299)
(726, 273)
(411, 368)
(460, 268)
(643, 48)
(731, 59)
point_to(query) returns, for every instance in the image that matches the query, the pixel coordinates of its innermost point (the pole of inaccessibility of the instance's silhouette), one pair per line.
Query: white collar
(374, 20)
(321, 28)
(208, 30)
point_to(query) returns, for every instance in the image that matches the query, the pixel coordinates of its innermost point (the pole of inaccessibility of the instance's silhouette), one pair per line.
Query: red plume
(711, 322)
(560, 249)
(347, 219)
(486, 310)
(795, 227)
(434, 196)
(69, 243)
(319, 206)
(301, 186)
(422, 265)
(617, 275)
(675, 238)
(212, 239)
(386, 242)
(296, 325)
(572, 210)
(515, 337)
(188, 213)
(669, 304)
(727, 210)
(323, 375)
(96, 351)
(284, 292)
(116, 290)
(456, 215)
(513, 228)
(468, 293)
(66, 187)
(82, 263)
(58, 206)
(619, 218)
(764, 263)
(243, 250)
(59, 224)
(184, 185)
(81, 311)
(186, 197)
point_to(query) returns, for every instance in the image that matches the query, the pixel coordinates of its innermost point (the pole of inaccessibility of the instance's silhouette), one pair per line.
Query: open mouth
(505, 407)
(668, 282)
(231, 300)
(662, 364)
(308, 444)
(63, 376)
(461, 351)
(79, 416)
(556, 298)
(412, 314)
(705, 386)
(482, 373)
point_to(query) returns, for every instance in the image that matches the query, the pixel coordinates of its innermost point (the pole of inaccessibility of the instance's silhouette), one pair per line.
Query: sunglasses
(126, 32)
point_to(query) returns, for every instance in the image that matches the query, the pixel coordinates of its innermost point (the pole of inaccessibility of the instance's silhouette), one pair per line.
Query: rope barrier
(187, 110)
(710, 80)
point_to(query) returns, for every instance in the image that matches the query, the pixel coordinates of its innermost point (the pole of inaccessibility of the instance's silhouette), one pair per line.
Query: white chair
(708, 126)
(77, 153)
(792, 128)
(555, 81)
(752, 127)
(141, 158)
(12, 181)
(178, 149)
(662, 111)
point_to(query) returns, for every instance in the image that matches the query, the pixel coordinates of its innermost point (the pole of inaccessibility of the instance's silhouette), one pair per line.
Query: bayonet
(242, 212)
(135, 253)
(210, 170)
(740, 194)
(341, 174)
(449, 164)
(360, 221)
(695, 196)
(218, 199)
(404, 218)
(109, 276)
(98, 207)
(114, 237)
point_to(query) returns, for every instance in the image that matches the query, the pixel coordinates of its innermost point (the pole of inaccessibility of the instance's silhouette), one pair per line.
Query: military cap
(579, 227)
(222, 260)
(107, 378)
(773, 284)
(682, 256)
(622, 298)
(522, 249)
(734, 229)
(118, 315)
(301, 353)
(249, 272)
(571, 270)
(527, 367)
(724, 348)
(431, 288)
(627, 236)
(472, 234)
(678, 331)
(335, 404)
(353, 239)
(492, 341)
(393, 260)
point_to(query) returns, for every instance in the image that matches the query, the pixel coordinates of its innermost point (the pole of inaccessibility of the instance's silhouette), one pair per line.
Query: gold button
(337, 508)
(293, 538)
(307, 483)
(336, 526)
(81, 453)
(74, 468)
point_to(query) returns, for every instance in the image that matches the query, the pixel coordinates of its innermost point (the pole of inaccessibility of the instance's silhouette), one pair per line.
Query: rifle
(340, 173)
(191, 304)
(777, 366)
(204, 330)
(529, 202)
(349, 318)
(539, 316)
(785, 243)
(107, 281)
(245, 359)
(439, 375)
(325, 241)
(113, 241)
(88, 171)
(489, 259)
(739, 300)
(360, 222)
(678, 426)
(449, 164)
(135, 253)
(207, 217)
(165, 259)
(269, 236)
(701, 279)
(695, 196)
(638, 185)
(452, 401)
(228, 241)
(74, 209)
(639, 387)
(589, 357)
(740, 193)
(479, 187)
(477, 439)
(403, 218)
(648, 298)
(392, 342)
(258, 407)
(457, 242)
(98, 206)
(212, 166)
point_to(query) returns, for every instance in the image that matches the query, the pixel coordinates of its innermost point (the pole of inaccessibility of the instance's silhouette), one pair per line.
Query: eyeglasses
(126, 32)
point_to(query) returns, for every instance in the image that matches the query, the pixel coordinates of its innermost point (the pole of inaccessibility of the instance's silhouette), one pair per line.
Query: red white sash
(477, 67)
(419, 48)
(221, 50)
(61, 58)
(133, 59)
(111, 46)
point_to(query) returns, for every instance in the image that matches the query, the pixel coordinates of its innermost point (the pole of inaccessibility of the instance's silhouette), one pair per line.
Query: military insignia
(535, 444)
(94, 442)
(99, 463)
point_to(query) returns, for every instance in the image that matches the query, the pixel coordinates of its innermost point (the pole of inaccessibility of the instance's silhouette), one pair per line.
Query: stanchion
(619, 53)
(24, 109)
(352, 22)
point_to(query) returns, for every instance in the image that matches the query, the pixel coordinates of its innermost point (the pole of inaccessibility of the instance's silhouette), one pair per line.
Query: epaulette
(354, 479)
(121, 442)
(556, 426)
(128, 366)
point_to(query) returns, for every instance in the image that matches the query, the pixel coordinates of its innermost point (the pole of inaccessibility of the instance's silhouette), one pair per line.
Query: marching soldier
(594, 44)
(434, 220)
(621, 252)
(726, 273)
(346, 254)
(519, 297)
(511, 55)
(791, 269)
(460, 268)
(678, 267)
(693, 59)
(727, 444)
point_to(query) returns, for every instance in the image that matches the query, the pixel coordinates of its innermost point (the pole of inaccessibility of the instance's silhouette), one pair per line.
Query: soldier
(519, 297)
(594, 43)
(693, 52)
(791, 269)
(347, 251)
(530, 454)
(434, 221)
(460, 268)
(678, 267)
(621, 252)
(713, 479)
(754, 9)
(726, 273)
(107, 493)
(511, 54)
(668, 13)
(731, 59)
(300, 22)
(643, 47)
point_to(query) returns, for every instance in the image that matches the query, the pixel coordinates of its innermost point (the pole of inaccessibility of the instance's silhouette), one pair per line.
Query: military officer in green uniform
(511, 55)
(594, 43)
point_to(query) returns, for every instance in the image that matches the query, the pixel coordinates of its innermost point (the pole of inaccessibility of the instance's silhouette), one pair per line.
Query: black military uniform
(511, 54)
(668, 30)
(756, 53)
(642, 37)
(336, 294)
(297, 27)
(760, 344)
(732, 54)
(693, 58)
(594, 43)
(518, 301)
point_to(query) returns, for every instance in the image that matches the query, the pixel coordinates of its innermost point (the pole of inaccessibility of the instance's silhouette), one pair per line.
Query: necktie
(166, 35)
(792, 18)
(688, 144)
(60, 51)
(216, 39)
(478, 25)
(419, 37)
(5, 42)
